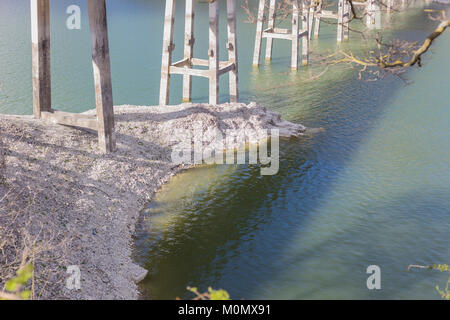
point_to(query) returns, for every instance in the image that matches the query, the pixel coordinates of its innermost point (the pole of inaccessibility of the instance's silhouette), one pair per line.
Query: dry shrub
(28, 237)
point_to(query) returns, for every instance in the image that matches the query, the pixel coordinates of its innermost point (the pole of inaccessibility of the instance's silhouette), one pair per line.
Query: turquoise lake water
(372, 189)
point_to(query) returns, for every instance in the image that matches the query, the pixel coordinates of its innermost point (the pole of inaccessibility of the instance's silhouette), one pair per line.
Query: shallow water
(373, 188)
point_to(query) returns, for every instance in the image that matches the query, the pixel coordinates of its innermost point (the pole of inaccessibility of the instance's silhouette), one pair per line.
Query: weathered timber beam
(102, 74)
(305, 26)
(278, 30)
(214, 53)
(303, 33)
(327, 15)
(182, 63)
(232, 48)
(294, 36)
(167, 52)
(259, 33)
(40, 39)
(188, 48)
(200, 62)
(70, 119)
(269, 43)
(230, 66)
(190, 72)
(277, 35)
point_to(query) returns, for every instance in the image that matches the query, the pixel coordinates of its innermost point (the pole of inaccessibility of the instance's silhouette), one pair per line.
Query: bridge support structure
(185, 67)
(272, 32)
(103, 122)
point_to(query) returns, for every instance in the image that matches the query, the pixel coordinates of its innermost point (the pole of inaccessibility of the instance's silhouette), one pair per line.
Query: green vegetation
(210, 295)
(14, 288)
(445, 293)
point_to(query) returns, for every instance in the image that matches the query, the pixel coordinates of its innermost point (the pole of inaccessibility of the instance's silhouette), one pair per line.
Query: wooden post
(317, 22)
(259, 32)
(188, 49)
(370, 14)
(214, 52)
(269, 43)
(167, 52)
(311, 18)
(185, 67)
(340, 20)
(233, 50)
(305, 26)
(295, 30)
(40, 38)
(346, 19)
(102, 74)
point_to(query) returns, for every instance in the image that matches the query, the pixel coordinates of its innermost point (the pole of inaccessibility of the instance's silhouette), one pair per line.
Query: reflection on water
(371, 189)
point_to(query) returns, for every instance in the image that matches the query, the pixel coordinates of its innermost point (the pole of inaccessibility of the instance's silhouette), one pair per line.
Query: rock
(83, 190)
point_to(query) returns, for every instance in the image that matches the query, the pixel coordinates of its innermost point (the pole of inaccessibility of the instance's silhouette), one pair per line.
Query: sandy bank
(84, 205)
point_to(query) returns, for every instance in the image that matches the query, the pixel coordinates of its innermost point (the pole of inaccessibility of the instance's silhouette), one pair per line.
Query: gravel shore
(83, 204)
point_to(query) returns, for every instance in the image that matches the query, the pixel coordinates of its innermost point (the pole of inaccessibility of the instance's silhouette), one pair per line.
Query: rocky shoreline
(84, 205)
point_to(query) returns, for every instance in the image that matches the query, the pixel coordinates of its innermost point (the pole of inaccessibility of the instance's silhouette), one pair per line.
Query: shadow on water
(342, 274)
(232, 211)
